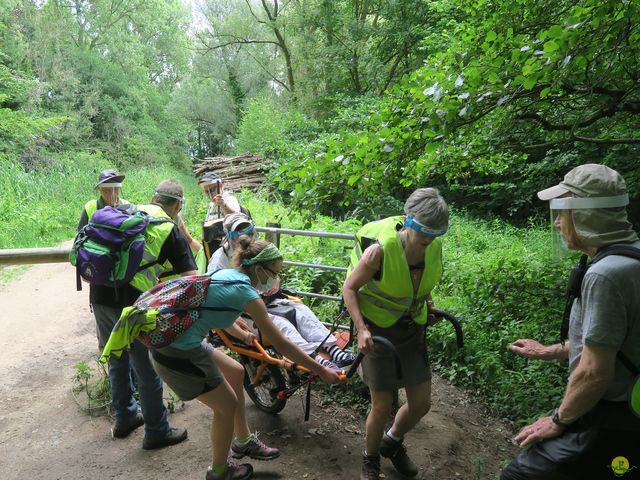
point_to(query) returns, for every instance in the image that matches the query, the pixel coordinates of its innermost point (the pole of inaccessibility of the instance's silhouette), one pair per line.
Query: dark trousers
(600, 446)
(125, 406)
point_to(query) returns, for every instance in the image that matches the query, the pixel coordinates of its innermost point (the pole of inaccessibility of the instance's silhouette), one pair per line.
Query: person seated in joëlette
(292, 317)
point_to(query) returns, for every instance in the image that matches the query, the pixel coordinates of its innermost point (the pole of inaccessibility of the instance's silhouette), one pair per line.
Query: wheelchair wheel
(265, 393)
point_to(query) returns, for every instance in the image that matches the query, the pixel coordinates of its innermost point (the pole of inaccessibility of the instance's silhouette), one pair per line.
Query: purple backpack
(108, 250)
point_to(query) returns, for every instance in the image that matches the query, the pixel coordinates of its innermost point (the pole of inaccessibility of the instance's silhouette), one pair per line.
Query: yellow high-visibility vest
(385, 300)
(155, 235)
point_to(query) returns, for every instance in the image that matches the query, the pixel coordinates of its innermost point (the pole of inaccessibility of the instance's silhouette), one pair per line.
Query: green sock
(243, 441)
(219, 470)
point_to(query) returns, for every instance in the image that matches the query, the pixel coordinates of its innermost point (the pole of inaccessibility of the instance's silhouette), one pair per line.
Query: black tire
(265, 393)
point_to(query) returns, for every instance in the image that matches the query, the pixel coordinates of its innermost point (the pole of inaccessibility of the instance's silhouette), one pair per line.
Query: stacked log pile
(243, 171)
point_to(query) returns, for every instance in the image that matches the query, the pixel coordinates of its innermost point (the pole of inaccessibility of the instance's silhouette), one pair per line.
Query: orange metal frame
(262, 355)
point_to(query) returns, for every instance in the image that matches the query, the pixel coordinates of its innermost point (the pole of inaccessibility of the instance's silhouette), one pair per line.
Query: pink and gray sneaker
(254, 448)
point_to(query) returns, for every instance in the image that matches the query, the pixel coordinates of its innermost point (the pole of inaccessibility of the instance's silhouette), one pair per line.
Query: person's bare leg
(381, 404)
(417, 406)
(234, 374)
(223, 401)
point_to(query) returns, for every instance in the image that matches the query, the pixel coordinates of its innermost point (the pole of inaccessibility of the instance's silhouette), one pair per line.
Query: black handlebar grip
(389, 346)
(456, 325)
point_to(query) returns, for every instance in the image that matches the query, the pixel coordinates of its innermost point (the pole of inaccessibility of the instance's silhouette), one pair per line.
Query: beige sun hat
(597, 201)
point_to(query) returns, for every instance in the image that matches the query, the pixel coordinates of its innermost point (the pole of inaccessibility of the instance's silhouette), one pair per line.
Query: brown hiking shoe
(397, 453)
(370, 467)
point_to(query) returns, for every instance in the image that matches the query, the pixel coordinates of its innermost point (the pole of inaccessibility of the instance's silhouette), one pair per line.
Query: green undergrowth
(41, 207)
(502, 283)
(92, 392)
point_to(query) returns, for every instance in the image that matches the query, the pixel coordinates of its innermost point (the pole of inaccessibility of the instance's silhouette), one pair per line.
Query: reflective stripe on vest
(155, 235)
(385, 300)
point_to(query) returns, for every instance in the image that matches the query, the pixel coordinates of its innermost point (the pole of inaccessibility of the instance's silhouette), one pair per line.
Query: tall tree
(112, 66)
(522, 90)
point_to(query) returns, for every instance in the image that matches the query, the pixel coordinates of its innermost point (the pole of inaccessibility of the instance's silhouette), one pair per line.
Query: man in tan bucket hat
(592, 433)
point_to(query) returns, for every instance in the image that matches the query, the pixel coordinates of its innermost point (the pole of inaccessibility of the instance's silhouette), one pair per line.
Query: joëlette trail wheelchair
(271, 379)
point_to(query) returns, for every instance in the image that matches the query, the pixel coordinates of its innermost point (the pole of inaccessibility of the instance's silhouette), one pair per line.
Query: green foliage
(101, 73)
(502, 284)
(519, 86)
(325, 50)
(91, 388)
(92, 391)
(41, 206)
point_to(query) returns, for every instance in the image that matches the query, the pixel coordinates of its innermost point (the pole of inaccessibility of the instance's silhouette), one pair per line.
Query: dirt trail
(47, 327)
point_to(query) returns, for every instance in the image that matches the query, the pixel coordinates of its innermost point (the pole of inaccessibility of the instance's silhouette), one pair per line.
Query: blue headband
(238, 233)
(413, 224)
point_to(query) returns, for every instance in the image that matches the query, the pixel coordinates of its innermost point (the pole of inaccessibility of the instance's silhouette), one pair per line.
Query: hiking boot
(347, 360)
(397, 453)
(233, 472)
(370, 467)
(254, 448)
(173, 436)
(122, 430)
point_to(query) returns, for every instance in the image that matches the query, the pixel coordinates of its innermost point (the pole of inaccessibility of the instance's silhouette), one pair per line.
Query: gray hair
(428, 207)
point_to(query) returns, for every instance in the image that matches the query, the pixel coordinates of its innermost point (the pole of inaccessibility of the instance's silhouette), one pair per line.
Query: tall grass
(41, 207)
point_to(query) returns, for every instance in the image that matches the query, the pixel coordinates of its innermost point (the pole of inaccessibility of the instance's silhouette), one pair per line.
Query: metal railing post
(273, 237)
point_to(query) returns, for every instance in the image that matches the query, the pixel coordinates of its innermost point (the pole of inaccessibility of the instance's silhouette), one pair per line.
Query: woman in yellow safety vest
(394, 267)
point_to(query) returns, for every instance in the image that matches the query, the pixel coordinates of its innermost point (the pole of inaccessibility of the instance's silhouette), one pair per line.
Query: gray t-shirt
(608, 315)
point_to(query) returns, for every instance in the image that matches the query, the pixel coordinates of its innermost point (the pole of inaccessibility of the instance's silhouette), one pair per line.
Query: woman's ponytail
(240, 252)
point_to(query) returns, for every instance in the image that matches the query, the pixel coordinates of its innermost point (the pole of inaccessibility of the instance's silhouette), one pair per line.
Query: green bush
(503, 284)
(269, 129)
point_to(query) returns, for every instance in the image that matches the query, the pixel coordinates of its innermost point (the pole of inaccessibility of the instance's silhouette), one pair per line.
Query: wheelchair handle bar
(389, 346)
(456, 326)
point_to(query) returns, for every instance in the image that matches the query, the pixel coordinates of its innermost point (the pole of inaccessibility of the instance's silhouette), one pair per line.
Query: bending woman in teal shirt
(194, 369)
